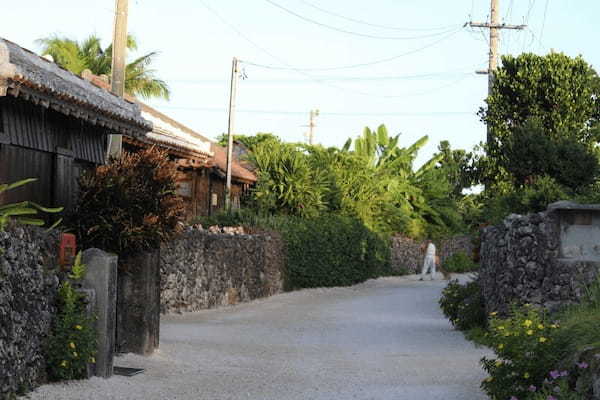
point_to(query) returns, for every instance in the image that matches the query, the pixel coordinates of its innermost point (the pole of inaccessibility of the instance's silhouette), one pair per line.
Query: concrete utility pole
(311, 126)
(119, 50)
(230, 129)
(494, 26)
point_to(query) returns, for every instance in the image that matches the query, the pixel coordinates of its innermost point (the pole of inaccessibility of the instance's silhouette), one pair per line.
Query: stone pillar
(101, 276)
(138, 304)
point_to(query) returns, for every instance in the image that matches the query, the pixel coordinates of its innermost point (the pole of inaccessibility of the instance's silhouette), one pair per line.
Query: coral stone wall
(521, 262)
(28, 288)
(407, 255)
(203, 270)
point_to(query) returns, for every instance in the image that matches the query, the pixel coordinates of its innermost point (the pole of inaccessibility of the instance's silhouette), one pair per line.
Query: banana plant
(23, 212)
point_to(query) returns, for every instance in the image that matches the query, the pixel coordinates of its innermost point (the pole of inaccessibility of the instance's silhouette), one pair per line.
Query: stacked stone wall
(521, 263)
(28, 289)
(203, 270)
(407, 256)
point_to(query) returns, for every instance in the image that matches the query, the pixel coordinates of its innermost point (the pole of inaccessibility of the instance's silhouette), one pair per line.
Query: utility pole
(494, 26)
(311, 126)
(230, 129)
(119, 49)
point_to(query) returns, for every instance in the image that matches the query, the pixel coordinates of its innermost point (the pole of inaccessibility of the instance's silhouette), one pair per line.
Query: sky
(425, 83)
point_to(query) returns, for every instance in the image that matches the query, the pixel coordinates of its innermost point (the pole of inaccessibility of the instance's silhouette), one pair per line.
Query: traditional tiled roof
(171, 133)
(237, 171)
(26, 75)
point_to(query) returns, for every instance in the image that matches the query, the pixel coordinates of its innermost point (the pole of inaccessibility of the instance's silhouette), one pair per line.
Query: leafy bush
(459, 263)
(72, 343)
(328, 250)
(24, 211)
(463, 305)
(526, 351)
(130, 204)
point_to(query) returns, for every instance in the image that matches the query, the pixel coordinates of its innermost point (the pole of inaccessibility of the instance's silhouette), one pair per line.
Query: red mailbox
(67, 249)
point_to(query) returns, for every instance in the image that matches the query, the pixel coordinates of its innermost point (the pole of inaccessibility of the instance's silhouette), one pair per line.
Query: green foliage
(286, 182)
(140, 78)
(250, 142)
(328, 250)
(504, 199)
(24, 211)
(459, 263)
(72, 342)
(463, 305)
(530, 153)
(375, 183)
(130, 204)
(459, 168)
(526, 351)
(563, 93)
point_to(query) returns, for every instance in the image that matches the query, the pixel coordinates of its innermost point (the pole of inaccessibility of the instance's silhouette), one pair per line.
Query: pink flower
(551, 398)
(532, 388)
(554, 374)
(583, 365)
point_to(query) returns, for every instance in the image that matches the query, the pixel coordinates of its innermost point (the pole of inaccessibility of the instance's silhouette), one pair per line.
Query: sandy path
(384, 339)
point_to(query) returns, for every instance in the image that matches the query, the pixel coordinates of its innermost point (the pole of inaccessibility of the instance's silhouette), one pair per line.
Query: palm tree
(76, 56)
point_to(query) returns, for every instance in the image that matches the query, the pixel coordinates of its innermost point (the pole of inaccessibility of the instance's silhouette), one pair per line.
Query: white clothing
(429, 262)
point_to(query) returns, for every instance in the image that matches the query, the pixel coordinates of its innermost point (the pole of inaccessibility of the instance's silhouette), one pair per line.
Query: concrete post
(102, 277)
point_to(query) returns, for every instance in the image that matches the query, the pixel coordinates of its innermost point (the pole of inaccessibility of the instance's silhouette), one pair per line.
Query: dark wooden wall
(54, 148)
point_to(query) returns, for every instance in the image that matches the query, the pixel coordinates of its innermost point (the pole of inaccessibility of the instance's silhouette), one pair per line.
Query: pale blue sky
(434, 91)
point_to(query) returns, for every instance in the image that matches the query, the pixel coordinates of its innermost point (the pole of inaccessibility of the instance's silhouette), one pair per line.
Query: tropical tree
(75, 56)
(561, 92)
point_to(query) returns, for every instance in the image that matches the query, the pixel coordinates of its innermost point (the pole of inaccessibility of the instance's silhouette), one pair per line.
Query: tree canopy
(75, 56)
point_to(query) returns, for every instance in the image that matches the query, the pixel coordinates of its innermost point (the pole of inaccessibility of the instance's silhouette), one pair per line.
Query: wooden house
(202, 163)
(53, 125)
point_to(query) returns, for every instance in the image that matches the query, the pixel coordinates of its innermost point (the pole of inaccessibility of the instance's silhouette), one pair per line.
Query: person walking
(429, 261)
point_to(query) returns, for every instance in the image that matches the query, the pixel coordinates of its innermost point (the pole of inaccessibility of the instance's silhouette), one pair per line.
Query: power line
(440, 75)
(364, 35)
(332, 114)
(353, 66)
(544, 22)
(359, 21)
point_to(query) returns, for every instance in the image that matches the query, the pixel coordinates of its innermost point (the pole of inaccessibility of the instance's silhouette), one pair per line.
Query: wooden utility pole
(494, 26)
(230, 129)
(311, 126)
(119, 49)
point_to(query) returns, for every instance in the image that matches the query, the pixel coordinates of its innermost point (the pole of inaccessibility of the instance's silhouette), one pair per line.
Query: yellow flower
(553, 326)
(78, 327)
(493, 314)
(75, 354)
(72, 345)
(506, 334)
(498, 363)
(543, 339)
(540, 326)
(63, 364)
(501, 328)
(501, 346)
(526, 375)
(92, 360)
(529, 332)
(527, 323)
(489, 379)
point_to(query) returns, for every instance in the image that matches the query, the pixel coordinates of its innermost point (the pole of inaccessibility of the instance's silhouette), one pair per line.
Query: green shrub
(328, 250)
(463, 305)
(526, 350)
(459, 263)
(130, 204)
(72, 343)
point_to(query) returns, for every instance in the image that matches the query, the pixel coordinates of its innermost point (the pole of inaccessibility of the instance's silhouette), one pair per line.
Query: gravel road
(384, 339)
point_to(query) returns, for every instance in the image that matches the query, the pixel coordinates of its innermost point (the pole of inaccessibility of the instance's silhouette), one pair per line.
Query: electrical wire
(543, 23)
(362, 22)
(440, 75)
(322, 113)
(360, 65)
(348, 32)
